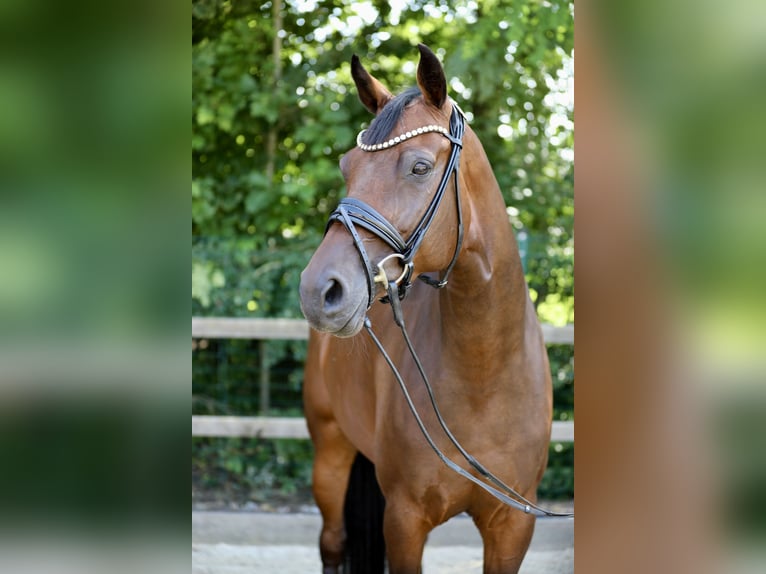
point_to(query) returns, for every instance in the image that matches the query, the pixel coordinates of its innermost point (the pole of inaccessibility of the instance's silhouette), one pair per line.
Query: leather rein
(353, 212)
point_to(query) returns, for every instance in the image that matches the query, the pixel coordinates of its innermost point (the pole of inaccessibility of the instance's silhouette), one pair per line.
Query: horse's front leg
(332, 466)
(506, 533)
(405, 529)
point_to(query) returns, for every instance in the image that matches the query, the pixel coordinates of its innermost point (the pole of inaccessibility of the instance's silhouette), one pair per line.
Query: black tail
(363, 514)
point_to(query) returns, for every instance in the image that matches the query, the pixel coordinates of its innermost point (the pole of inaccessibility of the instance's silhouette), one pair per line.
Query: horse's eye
(421, 168)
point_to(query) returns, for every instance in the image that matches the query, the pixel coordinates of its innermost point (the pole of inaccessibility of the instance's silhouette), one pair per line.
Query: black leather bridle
(353, 212)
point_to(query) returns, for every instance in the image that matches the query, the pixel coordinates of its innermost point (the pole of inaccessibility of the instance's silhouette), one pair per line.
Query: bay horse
(419, 173)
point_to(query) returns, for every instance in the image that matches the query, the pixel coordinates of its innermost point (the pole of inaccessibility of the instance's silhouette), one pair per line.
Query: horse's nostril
(334, 294)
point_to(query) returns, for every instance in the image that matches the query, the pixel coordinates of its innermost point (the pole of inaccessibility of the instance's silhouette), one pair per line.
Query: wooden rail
(248, 328)
(297, 329)
(252, 328)
(295, 427)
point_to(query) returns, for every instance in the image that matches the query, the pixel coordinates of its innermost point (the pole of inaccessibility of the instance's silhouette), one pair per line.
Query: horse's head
(396, 178)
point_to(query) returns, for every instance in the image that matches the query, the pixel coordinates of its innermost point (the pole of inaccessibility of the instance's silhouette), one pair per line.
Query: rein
(525, 505)
(352, 212)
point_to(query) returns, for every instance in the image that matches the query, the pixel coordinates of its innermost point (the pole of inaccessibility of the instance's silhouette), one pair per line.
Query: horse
(473, 330)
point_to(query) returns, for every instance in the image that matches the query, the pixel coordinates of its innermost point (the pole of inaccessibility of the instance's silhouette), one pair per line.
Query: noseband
(353, 212)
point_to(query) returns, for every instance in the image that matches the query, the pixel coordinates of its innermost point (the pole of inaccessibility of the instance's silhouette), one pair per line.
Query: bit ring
(382, 278)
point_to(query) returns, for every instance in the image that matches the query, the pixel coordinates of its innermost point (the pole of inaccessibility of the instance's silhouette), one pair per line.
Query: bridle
(353, 212)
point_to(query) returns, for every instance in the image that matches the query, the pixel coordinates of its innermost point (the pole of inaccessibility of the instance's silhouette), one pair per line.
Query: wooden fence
(298, 329)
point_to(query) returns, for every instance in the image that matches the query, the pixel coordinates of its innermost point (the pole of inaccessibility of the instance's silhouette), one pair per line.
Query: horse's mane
(380, 127)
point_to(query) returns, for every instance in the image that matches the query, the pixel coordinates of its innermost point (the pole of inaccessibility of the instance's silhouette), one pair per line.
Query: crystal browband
(399, 139)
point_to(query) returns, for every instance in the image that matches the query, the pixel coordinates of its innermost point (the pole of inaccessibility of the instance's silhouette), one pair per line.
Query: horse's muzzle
(333, 301)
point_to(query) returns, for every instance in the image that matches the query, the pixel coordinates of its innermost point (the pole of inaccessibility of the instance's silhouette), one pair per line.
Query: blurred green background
(681, 86)
(94, 110)
(274, 108)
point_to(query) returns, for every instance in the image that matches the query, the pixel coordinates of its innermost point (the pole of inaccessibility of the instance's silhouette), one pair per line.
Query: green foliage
(558, 480)
(227, 372)
(274, 108)
(562, 374)
(253, 469)
(508, 64)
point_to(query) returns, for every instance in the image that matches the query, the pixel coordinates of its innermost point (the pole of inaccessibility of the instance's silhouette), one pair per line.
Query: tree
(274, 109)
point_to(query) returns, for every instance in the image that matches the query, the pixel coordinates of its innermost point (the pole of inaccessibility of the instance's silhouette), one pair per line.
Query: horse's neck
(486, 298)
(485, 307)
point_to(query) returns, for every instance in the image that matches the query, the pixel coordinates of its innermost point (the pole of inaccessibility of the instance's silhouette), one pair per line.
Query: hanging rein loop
(498, 488)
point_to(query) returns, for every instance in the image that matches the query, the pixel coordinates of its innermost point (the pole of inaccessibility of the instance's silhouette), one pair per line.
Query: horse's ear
(371, 92)
(431, 80)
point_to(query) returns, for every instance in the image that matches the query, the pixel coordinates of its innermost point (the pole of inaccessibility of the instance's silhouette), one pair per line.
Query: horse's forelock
(381, 127)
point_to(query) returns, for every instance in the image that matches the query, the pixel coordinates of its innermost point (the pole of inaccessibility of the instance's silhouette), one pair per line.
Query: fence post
(264, 378)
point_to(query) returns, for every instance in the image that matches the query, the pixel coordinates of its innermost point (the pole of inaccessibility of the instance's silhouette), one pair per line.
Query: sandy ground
(257, 542)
